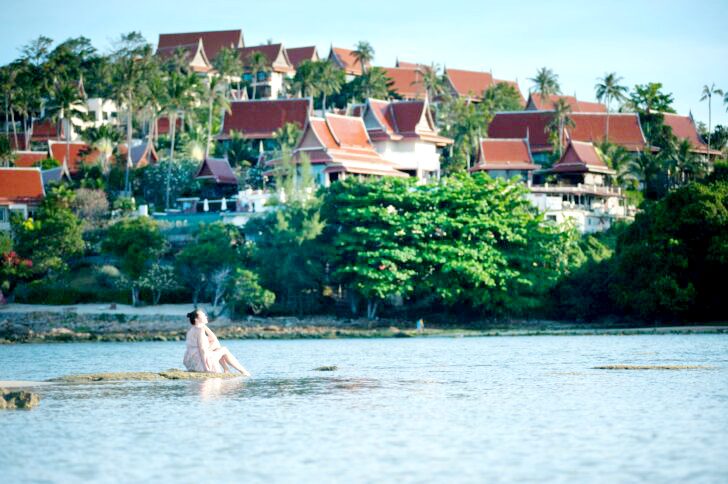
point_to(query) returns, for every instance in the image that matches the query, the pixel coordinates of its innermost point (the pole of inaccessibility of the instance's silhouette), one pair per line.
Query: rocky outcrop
(172, 374)
(18, 399)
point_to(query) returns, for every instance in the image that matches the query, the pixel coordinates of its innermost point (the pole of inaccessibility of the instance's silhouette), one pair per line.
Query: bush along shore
(69, 325)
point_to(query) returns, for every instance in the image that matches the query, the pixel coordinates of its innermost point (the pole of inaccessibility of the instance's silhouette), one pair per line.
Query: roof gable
(80, 154)
(218, 170)
(345, 59)
(213, 41)
(260, 119)
(299, 54)
(580, 157)
(21, 185)
(406, 82)
(683, 127)
(275, 54)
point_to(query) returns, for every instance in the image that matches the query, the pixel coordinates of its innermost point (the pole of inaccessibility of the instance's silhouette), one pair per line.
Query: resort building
(537, 103)
(194, 56)
(100, 112)
(297, 55)
(259, 120)
(21, 191)
(338, 147)
(72, 156)
(269, 82)
(142, 154)
(624, 130)
(684, 128)
(404, 133)
(212, 41)
(471, 84)
(506, 158)
(579, 190)
(345, 60)
(406, 82)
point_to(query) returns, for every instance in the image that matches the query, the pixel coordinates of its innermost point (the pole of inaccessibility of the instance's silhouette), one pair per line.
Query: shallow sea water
(501, 409)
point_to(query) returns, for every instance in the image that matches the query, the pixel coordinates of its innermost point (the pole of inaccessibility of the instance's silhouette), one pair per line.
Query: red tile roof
(342, 143)
(28, 159)
(345, 59)
(218, 170)
(396, 120)
(213, 41)
(624, 128)
(410, 65)
(80, 154)
(194, 55)
(580, 157)
(684, 127)
(407, 82)
(141, 155)
(21, 185)
(299, 54)
(536, 102)
(260, 119)
(163, 126)
(472, 84)
(275, 53)
(504, 154)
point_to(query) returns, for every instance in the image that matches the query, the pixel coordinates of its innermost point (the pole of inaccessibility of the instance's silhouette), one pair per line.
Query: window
(262, 76)
(4, 215)
(248, 77)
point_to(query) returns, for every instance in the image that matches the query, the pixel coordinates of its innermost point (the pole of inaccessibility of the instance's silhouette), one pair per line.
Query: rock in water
(172, 374)
(19, 399)
(326, 368)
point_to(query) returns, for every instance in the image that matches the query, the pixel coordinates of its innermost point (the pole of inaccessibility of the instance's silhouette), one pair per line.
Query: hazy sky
(683, 44)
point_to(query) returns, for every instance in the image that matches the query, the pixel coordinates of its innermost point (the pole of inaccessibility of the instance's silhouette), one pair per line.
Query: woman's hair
(193, 315)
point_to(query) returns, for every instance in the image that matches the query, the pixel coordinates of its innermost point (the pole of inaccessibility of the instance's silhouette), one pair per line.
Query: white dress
(197, 346)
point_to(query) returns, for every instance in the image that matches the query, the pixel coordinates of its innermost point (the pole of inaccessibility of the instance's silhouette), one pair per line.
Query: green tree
(649, 98)
(502, 97)
(304, 82)
(158, 279)
(546, 83)
(609, 89)
(286, 137)
(104, 139)
(560, 121)
(328, 81)
(138, 243)
(247, 294)
(374, 83)
(66, 106)
(257, 63)
(229, 67)
(707, 95)
(364, 54)
(217, 99)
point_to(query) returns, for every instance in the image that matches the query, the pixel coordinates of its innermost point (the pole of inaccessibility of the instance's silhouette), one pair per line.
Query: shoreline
(24, 324)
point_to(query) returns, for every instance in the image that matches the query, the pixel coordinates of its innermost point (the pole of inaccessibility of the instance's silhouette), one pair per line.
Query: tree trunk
(68, 146)
(372, 308)
(15, 129)
(353, 303)
(323, 104)
(128, 147)
(607, 133)
(173, 125)
(209, 130)
(157, 296)
(134, 295)
(710, 120)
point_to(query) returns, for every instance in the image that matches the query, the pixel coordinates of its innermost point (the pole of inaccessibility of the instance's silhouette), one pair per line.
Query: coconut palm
(546, 83)
(287, 136)
(66, 106)
(432, 81)
(216, 97)
(560, 122)
(373, 83)
(364, 54)
(622, 162)
(609, 89)
(303, 83)
(180, 95)
(257, 63)
(103, 139)
(328, 81)
(707, 95)
(228, 65)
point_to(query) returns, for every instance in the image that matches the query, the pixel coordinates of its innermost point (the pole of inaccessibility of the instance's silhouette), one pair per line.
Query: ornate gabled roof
(536, 102)
(406, 82)
(581, 157)
(195, 55)
(345, 59)
(504, 154)
(342, 144)
(21, 185)
(80, 154)
(624, 128)
(299, 54)
(217, 170)
(396, 120)
(260, 119)
(683, 127)
(213, 41)
(275, 53)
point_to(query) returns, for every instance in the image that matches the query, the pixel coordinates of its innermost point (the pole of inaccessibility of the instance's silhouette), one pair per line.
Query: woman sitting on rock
(204, 352)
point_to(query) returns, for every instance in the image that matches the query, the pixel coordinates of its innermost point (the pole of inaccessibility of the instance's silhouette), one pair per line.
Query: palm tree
(432, 81)
(328, 81)
(303, 83)
(364, 54)
(287, 136)
(103, 139)
(257, 63)
(707, 94)
(546, 83)
(560, 122)
(228, 65)
(373, 83)
(216, 96)
(621, 161)
(66, 106)
(608, 89)
(180, 95)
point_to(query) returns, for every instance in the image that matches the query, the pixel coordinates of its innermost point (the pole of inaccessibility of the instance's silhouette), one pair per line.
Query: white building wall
(410, 155)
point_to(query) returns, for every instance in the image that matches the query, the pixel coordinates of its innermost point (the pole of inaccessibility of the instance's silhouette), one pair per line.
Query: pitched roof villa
(194, 55)
(80, 154)
(581, 157)
(624, 128)
(342, 144)
(218, 170)
(398, 120)
(213, 41)
(345, 59)
(472, 84)
(406, 82)
(299, 54)
(275, 54)
(683, 127)
(504, 155)
(260, 119)
(537, 103)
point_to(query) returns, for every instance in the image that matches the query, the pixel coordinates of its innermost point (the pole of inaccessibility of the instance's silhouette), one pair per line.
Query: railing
(579, 188)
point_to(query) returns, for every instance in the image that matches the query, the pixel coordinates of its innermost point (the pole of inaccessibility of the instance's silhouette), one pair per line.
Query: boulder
(18, 399)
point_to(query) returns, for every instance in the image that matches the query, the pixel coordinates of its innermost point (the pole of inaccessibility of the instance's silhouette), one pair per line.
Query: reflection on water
(492, 409)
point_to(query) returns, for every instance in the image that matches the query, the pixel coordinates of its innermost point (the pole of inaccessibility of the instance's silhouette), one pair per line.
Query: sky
(683, 44)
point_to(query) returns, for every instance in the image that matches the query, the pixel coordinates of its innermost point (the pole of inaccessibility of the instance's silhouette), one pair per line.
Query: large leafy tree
(138, 243)
(502, 97)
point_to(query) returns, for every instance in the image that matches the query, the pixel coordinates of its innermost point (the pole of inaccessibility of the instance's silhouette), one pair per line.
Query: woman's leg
(224, 354)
